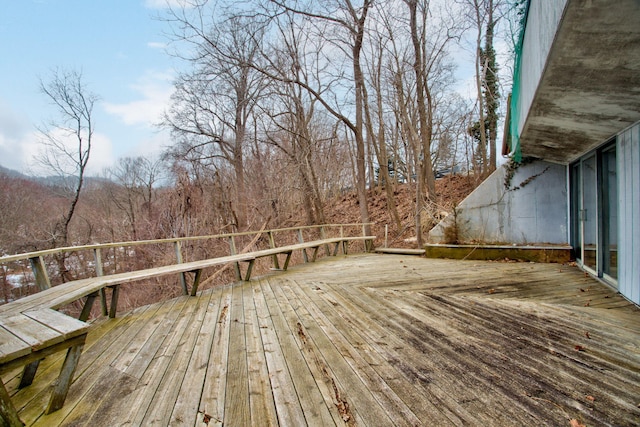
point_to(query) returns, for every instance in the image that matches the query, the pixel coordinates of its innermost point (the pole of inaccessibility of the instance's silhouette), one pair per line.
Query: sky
(118, 45)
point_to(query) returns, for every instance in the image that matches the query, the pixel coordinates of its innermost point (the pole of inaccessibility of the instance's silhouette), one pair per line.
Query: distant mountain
(49, 181)
(12, 173)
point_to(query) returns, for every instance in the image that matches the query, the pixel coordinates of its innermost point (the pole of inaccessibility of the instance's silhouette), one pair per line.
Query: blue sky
(118, 46)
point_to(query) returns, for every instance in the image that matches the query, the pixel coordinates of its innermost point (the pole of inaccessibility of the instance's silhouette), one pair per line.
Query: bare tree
(67, 140)
(133, 192)
(484, 15)
(334, 20)
(214, 102)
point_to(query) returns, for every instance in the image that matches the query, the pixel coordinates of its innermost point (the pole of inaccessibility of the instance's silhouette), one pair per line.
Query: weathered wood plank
(350, 391)
(34, 333)
(311, 399)
(236, 411)
(65, 325)
(261, 404)
(213, 393)
(187, 406)
(437, 341)
(288, 407)
(345, 340)
(95, 354)
(166, 394)
(11, 346)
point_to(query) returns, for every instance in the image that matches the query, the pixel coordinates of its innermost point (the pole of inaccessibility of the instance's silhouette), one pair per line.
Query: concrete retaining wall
(532, 211)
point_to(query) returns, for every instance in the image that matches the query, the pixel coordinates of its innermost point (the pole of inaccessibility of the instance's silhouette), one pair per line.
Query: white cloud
(155, 91)
(101, 155)
(156, 45)
(165, 4)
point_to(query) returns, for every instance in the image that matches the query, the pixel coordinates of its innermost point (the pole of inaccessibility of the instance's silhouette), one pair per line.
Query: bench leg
(28, 374)
(238, 273)
(315, 254)
(103, 302)
(335, 248)
(247, 277)
(183, 283)
(196, 282)
(286, 261)
(8, 414)
(88, 305)
(115, 292)
(61, 387)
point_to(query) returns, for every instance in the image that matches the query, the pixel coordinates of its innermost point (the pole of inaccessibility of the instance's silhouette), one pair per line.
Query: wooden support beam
(336, 248)
(28, 373)
(247, 276)
(8, 414)
(272, 244)
(88, 305)
(61, 388)
(40, 272)
(196, 282)
(115, 292)
(286, 261)
(183, 277)
(97, 257)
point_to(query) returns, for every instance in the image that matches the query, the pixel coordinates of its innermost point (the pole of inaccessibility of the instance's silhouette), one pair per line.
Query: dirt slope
(450, 191)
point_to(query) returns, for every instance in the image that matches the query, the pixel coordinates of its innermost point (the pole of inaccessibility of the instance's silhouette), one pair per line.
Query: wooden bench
(25, 339)
(315, 245)
(31, 328)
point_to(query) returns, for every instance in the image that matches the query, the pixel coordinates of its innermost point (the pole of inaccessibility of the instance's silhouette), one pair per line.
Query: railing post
(272, 245)
(183, 277)
(323, 236)
(232, 249)
(40, 272)
(97, 257)
(305, 257)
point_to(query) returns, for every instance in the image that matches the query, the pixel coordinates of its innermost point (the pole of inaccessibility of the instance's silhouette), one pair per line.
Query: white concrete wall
(542, 24)
(533, 214)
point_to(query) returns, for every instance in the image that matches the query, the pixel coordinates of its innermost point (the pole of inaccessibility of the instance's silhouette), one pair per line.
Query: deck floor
(375, 340)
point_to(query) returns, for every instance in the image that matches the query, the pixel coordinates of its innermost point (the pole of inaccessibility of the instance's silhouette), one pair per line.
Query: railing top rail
(29, 255)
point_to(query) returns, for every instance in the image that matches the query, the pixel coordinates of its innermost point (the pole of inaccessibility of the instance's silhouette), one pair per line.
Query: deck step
(400, 251)
(554, 253)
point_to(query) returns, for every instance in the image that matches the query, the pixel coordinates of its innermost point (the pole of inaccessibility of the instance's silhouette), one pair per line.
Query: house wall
(628, 159)
(536, 213)
(543, 20)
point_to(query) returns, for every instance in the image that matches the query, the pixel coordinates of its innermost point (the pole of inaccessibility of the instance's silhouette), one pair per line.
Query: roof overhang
(590, 87)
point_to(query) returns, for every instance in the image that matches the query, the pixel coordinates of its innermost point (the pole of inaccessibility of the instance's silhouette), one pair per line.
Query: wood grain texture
(364, 340)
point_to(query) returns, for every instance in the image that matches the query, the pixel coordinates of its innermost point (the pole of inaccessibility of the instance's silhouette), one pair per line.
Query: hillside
(450, 191)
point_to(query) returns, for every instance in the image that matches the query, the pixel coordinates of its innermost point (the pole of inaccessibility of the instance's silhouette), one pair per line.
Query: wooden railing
(31, 328)
(95, 258)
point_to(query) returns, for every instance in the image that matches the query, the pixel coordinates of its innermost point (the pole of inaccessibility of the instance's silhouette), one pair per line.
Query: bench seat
(25, 339)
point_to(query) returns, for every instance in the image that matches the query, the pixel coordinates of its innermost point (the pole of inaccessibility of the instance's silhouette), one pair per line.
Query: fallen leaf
(579, 348)
(591, 398)
(491, 291)
(576, 423)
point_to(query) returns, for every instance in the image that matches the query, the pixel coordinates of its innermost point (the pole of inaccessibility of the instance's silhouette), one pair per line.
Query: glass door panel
(609, 214)
(576, 208)
(589, 214)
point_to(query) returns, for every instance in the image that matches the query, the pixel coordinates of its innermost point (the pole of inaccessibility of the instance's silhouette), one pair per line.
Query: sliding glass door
(594, 212)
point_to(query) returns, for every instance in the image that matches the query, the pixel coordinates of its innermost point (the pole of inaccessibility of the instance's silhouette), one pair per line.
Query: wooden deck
(369, 339)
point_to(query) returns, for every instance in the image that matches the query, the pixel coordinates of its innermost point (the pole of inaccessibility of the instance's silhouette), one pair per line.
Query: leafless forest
(287, 113)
